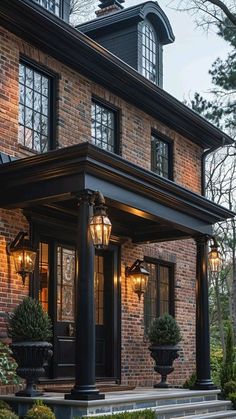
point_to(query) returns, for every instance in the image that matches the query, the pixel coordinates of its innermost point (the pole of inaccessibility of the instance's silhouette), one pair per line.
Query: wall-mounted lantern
(139, 277)
(24, 255)
(215, 258)
(99, 223)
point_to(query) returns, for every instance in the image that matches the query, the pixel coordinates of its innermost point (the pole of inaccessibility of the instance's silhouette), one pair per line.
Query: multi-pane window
(34, 108)
(53, 6)
(104, 131)
(149, 53)
(161, 156)
(159, 296)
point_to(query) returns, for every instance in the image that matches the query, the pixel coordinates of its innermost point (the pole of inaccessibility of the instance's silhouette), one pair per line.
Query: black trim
(54, 79)
(72, 48)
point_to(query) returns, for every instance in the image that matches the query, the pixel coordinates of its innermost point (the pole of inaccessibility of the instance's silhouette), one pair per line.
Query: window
(161, 159)
(53, 6)
(104, 127)
(159, 296)
(149, 53)
(35, 130)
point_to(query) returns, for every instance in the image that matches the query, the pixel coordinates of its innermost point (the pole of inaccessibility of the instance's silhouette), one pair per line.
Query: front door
(57, 276)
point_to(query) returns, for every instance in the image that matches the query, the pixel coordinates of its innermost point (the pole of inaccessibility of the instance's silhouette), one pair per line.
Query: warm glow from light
(215, 260)
(100, 229)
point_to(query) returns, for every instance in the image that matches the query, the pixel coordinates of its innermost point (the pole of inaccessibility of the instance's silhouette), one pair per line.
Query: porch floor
(167, 403)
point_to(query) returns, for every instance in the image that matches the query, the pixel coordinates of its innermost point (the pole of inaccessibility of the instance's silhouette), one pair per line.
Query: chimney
(108, 7)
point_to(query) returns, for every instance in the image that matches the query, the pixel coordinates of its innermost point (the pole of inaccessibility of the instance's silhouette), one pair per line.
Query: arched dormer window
(149, 53)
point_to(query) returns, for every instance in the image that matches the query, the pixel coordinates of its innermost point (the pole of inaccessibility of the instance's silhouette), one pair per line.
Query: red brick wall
(73, 126)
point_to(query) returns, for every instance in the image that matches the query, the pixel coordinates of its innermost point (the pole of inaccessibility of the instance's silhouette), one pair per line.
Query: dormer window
(53, 6)
(149, 53)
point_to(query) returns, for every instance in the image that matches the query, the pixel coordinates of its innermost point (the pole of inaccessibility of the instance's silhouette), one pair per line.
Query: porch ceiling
(142, 205)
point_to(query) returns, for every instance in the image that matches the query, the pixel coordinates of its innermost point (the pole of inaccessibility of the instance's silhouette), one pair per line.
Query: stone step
(214, 415)
(192, 409)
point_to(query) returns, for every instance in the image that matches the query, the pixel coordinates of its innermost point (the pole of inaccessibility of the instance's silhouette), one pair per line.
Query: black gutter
(53, 36)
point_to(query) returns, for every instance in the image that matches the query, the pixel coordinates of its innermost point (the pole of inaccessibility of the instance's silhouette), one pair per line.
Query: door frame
(56, 230)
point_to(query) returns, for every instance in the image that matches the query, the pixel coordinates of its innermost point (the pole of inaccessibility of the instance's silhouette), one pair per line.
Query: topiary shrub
(190, 382)
(228, 370)
(229, 387)
(4, 405)
(40, 411)
(7, 414)
(29, 322)
(164, 331)
(7, 366)
(232, 398)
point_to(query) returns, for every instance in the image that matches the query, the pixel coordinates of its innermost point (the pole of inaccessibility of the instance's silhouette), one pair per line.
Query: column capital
(201, 239)
(84, 195)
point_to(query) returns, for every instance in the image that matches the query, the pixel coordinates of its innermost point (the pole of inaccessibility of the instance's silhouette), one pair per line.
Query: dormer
(60, 8)
(135, 34)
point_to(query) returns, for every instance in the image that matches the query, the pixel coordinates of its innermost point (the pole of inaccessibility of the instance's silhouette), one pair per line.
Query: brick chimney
(108, 7)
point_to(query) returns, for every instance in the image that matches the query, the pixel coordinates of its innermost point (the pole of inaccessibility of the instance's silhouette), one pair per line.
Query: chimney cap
(107, 3)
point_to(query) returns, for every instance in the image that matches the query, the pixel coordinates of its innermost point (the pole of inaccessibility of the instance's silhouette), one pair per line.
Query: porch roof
(142, 205)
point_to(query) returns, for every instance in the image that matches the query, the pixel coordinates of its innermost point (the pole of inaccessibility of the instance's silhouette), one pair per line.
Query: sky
(188, 60)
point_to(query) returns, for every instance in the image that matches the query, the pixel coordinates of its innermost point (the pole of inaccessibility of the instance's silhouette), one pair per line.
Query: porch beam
(203, 368)
(85, 388)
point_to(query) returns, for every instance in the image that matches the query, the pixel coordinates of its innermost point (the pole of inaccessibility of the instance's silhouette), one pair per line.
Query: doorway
(57, 269)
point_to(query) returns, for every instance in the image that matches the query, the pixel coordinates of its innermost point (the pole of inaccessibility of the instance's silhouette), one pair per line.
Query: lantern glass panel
(215, 261)
(24, 260)
(140, 282)
(100, 229)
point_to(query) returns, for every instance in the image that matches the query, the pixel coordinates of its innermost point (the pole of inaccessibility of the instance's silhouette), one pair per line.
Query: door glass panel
(99, 289)
(43, 275)
(65, 284)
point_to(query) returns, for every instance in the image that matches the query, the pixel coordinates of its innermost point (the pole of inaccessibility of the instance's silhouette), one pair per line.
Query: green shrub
(142, 414)
(232, 398)
(7, 414)
(29, 322)
(40, 411)
(228, 370)
(190, 382)
(216, 364)
(164, 331)
(7, 366)
(229, 387)
(4, 405)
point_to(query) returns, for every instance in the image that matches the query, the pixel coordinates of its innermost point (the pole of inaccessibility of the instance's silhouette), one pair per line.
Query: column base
(84, 393)
(204, 385)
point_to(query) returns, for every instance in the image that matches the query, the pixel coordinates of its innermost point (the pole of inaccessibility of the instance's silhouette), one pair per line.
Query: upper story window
(35, 128)
(149, 53)
(159, 296)
(53, 6)
(161, 159)
(104, 127)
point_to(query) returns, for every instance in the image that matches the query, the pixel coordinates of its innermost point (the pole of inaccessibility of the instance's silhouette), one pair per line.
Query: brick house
(83, 109)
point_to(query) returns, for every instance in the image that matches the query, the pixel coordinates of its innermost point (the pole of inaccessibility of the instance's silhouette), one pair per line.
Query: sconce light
(24, 255)
(139, 276)
(99, 223)
(215, 258)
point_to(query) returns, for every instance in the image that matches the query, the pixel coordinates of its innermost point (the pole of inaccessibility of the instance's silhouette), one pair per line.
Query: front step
(195, 410)
(215, 415)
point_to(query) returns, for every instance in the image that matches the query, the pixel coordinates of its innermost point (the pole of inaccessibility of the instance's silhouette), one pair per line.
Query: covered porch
(142, 207)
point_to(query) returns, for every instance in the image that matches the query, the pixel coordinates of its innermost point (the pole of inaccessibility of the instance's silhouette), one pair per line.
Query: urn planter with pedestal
(30, 328)
(164, 335)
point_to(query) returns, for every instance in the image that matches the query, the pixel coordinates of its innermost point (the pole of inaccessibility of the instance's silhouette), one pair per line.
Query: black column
(203, 368)
(85, 388)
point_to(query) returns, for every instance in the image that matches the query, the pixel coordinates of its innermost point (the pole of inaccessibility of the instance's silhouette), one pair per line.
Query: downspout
(203, 164)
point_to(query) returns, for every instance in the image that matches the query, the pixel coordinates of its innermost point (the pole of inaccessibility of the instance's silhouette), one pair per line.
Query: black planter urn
(164, 356)
(31, 357)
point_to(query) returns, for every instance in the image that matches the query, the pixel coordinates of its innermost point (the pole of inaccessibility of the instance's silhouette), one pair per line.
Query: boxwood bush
(141, 414)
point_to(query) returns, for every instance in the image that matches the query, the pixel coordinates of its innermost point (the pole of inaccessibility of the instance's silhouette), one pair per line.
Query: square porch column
(85, 388)
(203, 368)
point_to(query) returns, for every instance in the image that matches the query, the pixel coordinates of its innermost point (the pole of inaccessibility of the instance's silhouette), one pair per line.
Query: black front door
(57, 276)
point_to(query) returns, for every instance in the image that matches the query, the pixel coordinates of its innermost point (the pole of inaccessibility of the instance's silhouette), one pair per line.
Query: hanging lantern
(24, 255)
(215, 258)
(139, 277)
(99, 224)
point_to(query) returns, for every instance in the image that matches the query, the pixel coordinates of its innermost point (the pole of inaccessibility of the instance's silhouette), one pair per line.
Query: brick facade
(73, 110)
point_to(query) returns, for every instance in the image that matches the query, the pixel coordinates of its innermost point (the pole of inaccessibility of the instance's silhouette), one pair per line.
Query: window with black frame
(53, 6)
(149, 53)
(161, 159)
(159, 296)
(104, 127)
(34, 108)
